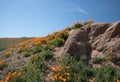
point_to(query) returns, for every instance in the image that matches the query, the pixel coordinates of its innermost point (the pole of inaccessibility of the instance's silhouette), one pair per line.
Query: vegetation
(71, 70)
(98, 60)
(5, 42)
(107, 74)
(41, 51)
(7, 54)
(3, 65)
(27, 54)
(112, 56)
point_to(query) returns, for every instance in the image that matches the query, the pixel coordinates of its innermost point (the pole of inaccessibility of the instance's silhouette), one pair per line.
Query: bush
(72, 70)
(98, 60)
(3, 65)
(47, 47)
(43, 42)
(46, 55)
(81, 71)
(7, 54)
(36, 50)
(112, 57)
(106, 74)
(77, 25)
(65, 35)
(14, 77)
(58, 42)
(69, 28)
(61, 74)
(19, 50)
(27, 54)
(35, 72)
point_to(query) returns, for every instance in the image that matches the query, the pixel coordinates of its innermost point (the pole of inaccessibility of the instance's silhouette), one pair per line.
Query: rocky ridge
(94, 40)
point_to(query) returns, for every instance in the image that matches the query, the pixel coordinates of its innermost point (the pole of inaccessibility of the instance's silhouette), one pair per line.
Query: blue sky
(33, 18)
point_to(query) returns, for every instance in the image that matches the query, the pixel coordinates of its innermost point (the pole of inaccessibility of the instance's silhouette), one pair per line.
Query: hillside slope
(84, 52)
(5, 42)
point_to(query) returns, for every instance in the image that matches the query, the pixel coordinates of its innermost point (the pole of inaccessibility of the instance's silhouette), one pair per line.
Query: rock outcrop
(77, 43)
(94, 40)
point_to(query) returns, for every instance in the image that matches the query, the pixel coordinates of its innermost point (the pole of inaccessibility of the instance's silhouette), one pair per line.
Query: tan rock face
(77, 43)
(109, 39)
(93, 40)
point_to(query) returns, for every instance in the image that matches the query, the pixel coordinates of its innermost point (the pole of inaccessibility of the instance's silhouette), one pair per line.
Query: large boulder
(77, 43)
(94, 40)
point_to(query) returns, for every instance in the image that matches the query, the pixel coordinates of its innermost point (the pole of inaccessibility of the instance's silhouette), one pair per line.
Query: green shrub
(65, 35)
(48, 47)
(69, 29)
(78, 70)
(36, 50)
(98, 60)
(106, 74)
(15, 76)
(19, 50)
(82, 71)
(58, 42)
(27, 54)
(77, 26)
(112, 57)
(3, 65)
(43, 42)
(35, 72)
(47, 55)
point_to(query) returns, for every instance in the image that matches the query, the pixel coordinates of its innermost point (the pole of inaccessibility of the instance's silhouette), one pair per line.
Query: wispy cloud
(77, 8)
